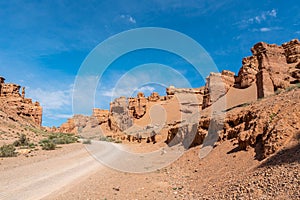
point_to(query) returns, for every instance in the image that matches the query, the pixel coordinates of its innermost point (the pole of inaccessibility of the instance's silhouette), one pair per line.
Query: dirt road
(35, 179)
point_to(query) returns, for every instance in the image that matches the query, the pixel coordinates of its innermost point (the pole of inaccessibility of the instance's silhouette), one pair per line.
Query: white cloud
(263, 16)
(129, 18)
(146, 89)
(258, 19)
(265, 29)
(50, 100)
(272, 13)
(132, 20)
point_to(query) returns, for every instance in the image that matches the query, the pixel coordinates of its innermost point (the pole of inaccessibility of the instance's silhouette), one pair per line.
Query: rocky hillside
(253, 115)
(18, 114)
(16, 106)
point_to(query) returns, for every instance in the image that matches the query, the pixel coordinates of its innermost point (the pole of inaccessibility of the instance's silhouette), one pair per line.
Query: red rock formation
(101, 115)
(137, 106)
(13, 103)
(272, 67)
(119, 118)
(292, 51)
(154, 97)
(247, 73)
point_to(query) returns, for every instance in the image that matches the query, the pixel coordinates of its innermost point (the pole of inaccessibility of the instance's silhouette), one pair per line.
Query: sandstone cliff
(270, 70)
(17, 106)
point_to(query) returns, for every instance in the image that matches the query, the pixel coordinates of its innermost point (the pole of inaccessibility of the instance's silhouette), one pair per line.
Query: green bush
(106, 139)
(57, 138)
(48, 145)
(88, 141)
(63, 138)
(7, 151)
(109, 139)
(22, 141)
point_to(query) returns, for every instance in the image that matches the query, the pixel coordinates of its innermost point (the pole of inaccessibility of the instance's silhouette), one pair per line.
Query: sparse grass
(2, 132)
(106, 139)
(37, 131)
(272, 116)
(109, 139)
(22, 141)
(290, 88)
(88, 141)
(57, 138)
(278, 92)
(237, 106)
(62, 138)
(7, 151)
(47, 144)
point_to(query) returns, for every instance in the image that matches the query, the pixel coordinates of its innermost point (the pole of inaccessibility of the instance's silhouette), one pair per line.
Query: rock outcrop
(154, 97)
(16, 104)
(271, 67)
(266, 125)
(137, 106)
(101, 115)
(217, 85)
(247, 73)
(292, 51)
(119, 118)
(85, 126)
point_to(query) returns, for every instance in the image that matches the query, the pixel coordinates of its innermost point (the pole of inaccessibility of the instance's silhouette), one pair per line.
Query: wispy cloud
(55, 103)
(258, 19)
(266, 29)
(129, 18)
(146, 89)
(51, 100)
(263, 16)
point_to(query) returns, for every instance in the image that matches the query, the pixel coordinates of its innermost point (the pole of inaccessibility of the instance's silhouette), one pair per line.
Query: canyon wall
(15, 104)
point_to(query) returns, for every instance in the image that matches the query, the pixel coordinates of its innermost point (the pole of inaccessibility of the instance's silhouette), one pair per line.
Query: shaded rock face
(267, 125)
(137, 106)
(186, 134)
(292, 51)
(247, 73)
(119, 118)
(85, 126)
(14, 103)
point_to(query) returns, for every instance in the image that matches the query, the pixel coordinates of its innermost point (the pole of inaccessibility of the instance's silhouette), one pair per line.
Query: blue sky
(43, 43)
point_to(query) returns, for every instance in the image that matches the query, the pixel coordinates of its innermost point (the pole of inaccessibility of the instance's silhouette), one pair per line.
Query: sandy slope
(186, 178)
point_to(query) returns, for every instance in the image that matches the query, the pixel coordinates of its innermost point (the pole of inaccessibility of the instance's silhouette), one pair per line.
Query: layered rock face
(16, 104)
(119, 118)
(247, 73)
(101, 115)
(85, 126)
(217, 85)
(272, 67)
(265, 125)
